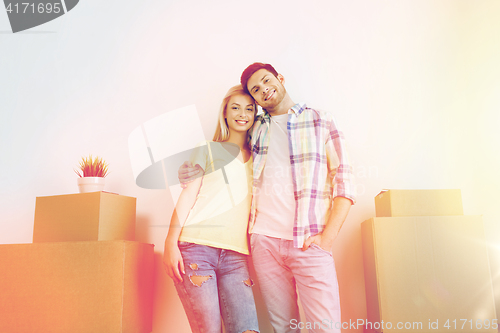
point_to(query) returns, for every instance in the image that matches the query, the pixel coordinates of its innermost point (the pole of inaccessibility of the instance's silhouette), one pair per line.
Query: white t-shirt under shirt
(275, 200)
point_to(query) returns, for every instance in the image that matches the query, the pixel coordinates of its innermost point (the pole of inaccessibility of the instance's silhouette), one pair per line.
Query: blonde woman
(206, 247)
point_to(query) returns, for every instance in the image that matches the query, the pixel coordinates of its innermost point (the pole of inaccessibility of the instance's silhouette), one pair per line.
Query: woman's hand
(173, 263)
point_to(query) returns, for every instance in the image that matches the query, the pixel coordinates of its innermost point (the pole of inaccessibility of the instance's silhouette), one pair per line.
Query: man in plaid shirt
(302, 192)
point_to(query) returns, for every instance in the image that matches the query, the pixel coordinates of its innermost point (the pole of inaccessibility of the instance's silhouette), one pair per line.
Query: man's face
(267, 90)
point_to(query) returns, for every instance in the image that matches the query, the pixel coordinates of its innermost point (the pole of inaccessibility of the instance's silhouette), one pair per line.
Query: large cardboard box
(84, 217)
(76, 287)
(395, 203)
(428, 273)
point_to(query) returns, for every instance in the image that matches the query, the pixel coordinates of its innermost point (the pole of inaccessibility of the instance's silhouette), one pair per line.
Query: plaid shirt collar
(296, 110)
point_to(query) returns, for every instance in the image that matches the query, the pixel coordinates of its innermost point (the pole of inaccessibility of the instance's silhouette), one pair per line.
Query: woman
(206, 247)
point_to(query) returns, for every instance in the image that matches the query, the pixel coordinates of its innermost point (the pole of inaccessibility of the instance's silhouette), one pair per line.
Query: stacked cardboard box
(83, 273)
(84, 217)
(426, 265)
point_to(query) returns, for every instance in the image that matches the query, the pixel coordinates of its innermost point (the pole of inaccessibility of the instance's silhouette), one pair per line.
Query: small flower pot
(90, 184)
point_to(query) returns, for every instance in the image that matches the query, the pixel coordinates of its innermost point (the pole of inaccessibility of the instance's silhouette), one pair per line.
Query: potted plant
(91, 172)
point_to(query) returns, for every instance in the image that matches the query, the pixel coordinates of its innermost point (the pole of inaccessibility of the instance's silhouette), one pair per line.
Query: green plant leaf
(92, 167)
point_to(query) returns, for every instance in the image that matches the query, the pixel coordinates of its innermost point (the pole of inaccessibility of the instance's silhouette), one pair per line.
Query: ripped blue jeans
(216, 283)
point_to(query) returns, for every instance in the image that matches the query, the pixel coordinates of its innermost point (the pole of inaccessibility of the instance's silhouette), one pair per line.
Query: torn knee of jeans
(248, 283)
(198, 280)
(193, 266)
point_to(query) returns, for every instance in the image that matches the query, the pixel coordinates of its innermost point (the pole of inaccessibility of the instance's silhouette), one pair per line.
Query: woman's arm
(172, 259)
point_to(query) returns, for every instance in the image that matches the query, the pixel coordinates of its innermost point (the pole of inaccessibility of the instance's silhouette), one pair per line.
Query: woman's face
(240, 113)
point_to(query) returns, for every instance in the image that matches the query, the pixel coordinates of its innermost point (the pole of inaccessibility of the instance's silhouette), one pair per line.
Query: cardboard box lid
(427, 268)
(438, 202)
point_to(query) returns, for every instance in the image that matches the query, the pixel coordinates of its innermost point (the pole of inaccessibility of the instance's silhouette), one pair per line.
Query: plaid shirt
(316, 147)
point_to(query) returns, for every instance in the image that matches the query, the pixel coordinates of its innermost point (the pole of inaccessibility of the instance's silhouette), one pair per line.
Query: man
(292, 231)
(302, 193)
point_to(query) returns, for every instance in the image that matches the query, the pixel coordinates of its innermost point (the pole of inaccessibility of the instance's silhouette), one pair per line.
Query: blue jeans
(217, 283)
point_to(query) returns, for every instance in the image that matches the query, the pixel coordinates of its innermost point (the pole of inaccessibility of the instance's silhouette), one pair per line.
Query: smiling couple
(294, 160)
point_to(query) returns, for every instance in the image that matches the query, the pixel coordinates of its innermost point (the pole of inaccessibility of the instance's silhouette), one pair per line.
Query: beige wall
(415, 85)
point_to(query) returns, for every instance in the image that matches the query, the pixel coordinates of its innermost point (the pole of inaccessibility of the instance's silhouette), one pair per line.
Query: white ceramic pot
(90, 184)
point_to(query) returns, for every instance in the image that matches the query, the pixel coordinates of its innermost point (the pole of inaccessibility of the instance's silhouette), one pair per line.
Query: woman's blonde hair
(222, 131)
